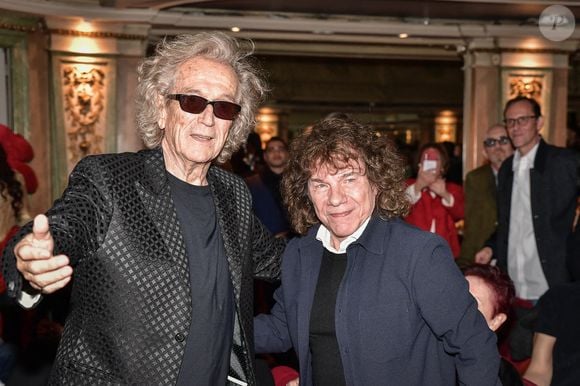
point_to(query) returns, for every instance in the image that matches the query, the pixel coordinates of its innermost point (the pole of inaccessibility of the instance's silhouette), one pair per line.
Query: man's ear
(539, 124)
(484, 152)
(497, 321)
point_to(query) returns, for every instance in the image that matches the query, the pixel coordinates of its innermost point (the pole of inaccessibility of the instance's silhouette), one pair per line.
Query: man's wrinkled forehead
(336, 166)
(496, 132)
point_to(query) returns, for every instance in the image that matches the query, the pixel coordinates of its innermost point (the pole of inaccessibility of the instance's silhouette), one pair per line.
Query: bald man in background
(481, 191)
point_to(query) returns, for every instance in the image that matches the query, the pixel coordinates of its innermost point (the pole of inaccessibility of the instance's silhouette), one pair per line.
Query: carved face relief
(84, 102)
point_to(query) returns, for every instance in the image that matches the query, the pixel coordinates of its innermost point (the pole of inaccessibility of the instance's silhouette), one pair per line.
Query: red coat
(429, 208)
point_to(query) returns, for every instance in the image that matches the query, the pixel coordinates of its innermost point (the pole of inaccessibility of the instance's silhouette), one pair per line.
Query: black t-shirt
(207, 352)
(326, 362)
(559, 316)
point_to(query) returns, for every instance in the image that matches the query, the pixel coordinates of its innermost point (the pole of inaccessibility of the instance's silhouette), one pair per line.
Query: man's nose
(206, 116)
(336, 196)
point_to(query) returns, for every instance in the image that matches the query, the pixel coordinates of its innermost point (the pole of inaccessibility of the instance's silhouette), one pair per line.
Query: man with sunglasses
(480, 193)
(537, 190)
(162, 245)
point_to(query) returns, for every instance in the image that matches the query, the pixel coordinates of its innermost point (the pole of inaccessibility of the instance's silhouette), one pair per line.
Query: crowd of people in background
(474, 216)
(369, 287)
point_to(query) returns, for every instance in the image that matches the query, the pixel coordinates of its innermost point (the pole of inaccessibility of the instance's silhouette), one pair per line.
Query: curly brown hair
(335, 142)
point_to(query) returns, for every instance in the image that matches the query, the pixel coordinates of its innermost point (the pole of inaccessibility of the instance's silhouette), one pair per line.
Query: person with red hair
(494, 293)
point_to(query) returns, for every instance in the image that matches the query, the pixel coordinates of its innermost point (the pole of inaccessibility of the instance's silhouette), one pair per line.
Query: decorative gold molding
(17, 27)
(97, 34)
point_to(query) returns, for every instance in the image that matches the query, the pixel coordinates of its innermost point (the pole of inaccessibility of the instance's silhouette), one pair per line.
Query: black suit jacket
(553, 191)
(131, 304)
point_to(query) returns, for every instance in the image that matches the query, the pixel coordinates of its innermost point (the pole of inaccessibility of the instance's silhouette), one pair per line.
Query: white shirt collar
(526, 160)
(323, 235)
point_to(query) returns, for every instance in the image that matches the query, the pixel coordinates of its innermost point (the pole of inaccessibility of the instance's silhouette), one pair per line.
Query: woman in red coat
(437, 204)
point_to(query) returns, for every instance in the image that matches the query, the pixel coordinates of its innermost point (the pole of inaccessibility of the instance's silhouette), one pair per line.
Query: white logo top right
(557, 23)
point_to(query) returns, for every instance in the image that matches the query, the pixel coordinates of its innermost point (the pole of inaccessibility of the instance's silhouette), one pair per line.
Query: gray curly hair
(157, 78)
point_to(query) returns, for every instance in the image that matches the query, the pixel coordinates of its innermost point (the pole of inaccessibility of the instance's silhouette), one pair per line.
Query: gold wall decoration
(529, 86)
(84, 88)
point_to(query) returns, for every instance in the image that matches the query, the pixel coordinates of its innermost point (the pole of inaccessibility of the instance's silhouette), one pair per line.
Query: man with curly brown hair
(367, 299)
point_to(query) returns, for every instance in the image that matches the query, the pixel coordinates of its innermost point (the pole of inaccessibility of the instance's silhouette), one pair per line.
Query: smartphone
(429, 164)
(430, 160)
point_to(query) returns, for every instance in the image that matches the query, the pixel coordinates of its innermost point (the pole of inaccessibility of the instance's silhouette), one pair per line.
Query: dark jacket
(553, 192)
(480, 210)
(131, 304)
(266, 201)
(404, 315)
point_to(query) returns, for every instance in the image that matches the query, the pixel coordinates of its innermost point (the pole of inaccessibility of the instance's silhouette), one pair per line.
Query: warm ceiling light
(84, 26)
(403, 36)
(235, 29)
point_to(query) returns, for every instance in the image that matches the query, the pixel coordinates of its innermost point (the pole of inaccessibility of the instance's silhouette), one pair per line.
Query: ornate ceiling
(435, 29)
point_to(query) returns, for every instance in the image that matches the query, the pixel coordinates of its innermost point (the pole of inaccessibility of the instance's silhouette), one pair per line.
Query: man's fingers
(37, 267)
(483, 257)
(40, 228)
(25, 251)
(48, 279)
(55, 286)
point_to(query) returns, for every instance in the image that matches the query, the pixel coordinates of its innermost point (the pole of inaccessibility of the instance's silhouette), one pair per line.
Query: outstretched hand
(484, 255)
(36, 262)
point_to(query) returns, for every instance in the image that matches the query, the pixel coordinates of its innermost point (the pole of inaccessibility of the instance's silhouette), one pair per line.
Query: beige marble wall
(127, 136)
(559, 105)
(39, 129)
(481, 106)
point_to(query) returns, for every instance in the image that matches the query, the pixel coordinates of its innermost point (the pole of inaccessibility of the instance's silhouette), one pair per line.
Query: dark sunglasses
(195, 104)
(491, 142)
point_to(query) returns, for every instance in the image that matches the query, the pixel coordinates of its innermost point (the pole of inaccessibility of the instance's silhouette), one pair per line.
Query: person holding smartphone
(436, 203)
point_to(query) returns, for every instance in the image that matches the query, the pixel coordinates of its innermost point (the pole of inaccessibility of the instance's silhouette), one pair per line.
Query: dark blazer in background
(480, 210)
(553, 192)
(130, 307)
(266, 205)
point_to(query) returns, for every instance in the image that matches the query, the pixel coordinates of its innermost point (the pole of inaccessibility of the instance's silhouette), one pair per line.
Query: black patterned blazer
(130, 306)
